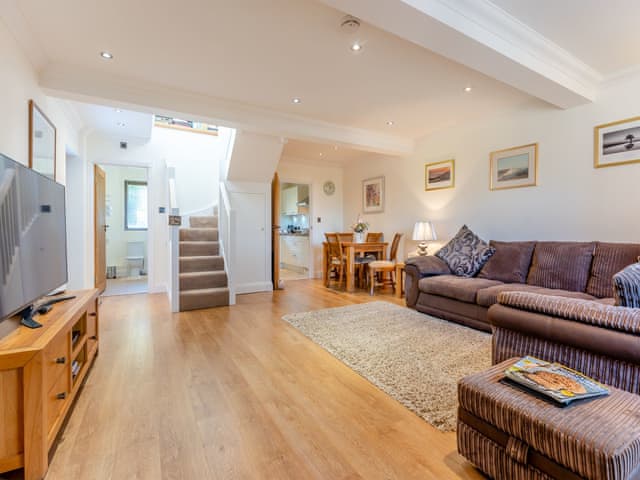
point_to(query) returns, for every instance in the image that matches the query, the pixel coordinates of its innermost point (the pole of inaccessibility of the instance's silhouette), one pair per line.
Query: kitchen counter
(294, 234)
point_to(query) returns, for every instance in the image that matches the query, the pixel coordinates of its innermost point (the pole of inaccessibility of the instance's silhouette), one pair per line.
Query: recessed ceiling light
(467, 89)
(118, 110)
(390, 123)
(106, 55)
(356, 47)
(296, 100)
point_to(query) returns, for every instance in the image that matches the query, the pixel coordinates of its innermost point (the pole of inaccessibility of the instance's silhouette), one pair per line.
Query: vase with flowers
(359, 230)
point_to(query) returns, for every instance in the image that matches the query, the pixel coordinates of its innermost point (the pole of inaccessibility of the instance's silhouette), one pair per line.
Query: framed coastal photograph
(439, 175)
(617, 143)
(514, 167)
(42, 142)
(373, 195)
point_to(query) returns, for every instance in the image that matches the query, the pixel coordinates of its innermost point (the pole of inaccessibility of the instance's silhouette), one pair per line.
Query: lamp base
(423, 247)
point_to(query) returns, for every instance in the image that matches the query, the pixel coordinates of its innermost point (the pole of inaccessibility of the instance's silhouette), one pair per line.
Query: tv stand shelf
(37, 384)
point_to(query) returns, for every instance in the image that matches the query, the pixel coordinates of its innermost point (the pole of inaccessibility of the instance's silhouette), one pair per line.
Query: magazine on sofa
(554, 380)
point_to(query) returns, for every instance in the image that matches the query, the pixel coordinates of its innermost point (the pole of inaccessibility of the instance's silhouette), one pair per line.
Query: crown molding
(96, 87)
(482, 36)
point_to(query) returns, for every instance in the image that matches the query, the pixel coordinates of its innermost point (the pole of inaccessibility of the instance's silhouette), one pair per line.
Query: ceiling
(297, 150)
(266, 53)
(601, 33)
(114, 122)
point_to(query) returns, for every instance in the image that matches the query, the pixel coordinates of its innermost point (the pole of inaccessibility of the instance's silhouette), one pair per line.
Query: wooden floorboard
(236, 393)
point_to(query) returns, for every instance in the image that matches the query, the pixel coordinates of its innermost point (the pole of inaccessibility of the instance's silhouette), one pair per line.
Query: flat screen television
(33, 238)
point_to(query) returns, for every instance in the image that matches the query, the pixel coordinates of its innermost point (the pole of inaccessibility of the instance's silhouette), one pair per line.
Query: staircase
(203, 281)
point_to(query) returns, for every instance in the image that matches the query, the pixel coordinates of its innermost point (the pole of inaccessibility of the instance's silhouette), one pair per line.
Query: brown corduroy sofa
(581, 270)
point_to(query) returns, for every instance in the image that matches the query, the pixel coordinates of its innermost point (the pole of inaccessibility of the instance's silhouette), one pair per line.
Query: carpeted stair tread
(201, 263)
(199, 249)
(199, 234)
(203, 222)
(204, 298)
(202, 280)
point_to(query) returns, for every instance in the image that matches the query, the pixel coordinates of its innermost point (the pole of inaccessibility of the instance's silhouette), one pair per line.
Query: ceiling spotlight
(106, 55)
(390, 123)
(118, 110)
(467, 89)
(356, 47)
(296, 100)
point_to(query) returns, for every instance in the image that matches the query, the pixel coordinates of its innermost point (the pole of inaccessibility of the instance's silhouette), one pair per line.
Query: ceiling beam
(96, 87)
(480, 35)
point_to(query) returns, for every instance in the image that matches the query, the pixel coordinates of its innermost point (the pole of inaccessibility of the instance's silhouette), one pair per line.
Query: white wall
(328, 208)
(19, 84)
(117, 237)
(573, 200)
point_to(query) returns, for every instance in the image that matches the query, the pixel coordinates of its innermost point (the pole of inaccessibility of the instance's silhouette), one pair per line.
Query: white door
(250, 273)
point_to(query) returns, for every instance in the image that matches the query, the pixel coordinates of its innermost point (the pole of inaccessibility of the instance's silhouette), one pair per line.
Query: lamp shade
(423, 231)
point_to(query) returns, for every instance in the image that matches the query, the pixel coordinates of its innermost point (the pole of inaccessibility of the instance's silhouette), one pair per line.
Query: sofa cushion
(488, 296)
(609, 259)
(466, 253)
(452, 286)
(626, 286)
(510, 263)
(594, 313)
(561, 265)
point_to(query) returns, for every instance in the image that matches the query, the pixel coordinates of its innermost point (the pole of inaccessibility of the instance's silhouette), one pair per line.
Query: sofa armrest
(417, 268)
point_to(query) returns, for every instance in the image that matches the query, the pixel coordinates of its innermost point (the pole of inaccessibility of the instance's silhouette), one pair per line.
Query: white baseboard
(253, 287)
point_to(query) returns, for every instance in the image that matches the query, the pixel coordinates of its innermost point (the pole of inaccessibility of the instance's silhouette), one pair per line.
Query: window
(135, 205)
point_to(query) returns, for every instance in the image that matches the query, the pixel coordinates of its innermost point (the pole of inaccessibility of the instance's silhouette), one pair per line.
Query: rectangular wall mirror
(42, 142)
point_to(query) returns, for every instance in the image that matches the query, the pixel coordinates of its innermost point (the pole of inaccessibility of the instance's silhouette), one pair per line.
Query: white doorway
(127, 218)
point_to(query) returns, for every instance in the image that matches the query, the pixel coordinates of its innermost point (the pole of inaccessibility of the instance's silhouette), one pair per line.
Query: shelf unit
(38, 381)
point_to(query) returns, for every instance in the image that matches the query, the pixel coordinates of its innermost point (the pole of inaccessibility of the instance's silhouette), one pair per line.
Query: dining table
(350, 250)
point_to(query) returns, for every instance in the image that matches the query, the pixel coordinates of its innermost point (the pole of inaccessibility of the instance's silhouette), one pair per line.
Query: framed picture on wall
(439, 175)
(42, 142)
(514, 167)
(617, 143)
(373, 195)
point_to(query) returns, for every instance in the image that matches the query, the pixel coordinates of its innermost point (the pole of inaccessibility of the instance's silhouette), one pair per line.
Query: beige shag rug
(415, 358)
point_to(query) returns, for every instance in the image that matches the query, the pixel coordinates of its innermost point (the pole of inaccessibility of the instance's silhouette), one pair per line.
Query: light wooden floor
(236, 393)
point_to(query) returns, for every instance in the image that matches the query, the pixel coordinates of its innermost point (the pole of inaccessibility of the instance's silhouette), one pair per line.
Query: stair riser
(199, 249)
(198, 264)
(199, 234)
(203, 222)
(195, 302)
(205, 280)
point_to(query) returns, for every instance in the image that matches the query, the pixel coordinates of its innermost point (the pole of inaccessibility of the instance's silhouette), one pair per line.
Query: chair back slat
(394, 247)
(375, 237)
(345, 237)
(334, 245)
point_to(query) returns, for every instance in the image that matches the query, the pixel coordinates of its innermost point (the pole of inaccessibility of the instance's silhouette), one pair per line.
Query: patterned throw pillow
(626, 286)
(466, 253)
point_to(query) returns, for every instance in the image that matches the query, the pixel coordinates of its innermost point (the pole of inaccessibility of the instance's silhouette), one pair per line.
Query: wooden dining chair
(360, 262)
(375, 237)
(386, 268)
(336, 259)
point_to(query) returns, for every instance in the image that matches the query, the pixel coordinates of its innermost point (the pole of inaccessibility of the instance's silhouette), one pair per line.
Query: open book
(553, 380)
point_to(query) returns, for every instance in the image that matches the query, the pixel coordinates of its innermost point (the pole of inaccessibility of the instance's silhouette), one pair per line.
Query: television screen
(33, 245)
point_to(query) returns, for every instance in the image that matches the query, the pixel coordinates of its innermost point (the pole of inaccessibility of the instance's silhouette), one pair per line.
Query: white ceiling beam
(480, 35)
(96, 87)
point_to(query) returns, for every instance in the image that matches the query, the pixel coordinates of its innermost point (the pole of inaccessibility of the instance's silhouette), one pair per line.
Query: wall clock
(329, 187)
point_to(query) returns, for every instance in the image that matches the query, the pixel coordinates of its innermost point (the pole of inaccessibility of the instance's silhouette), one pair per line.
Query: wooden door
(275, 231)
(100, 226)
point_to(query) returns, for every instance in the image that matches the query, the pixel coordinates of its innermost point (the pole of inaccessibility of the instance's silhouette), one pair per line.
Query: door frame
(311, 260)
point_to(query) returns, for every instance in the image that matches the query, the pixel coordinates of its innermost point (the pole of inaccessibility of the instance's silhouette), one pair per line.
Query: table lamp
(423, 232)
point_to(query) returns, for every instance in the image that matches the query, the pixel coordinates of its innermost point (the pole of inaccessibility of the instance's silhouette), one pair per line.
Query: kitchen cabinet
(290, 201)
(294, 252)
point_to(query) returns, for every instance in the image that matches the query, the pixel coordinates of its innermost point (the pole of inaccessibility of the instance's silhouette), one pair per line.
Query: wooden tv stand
(37, 387)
